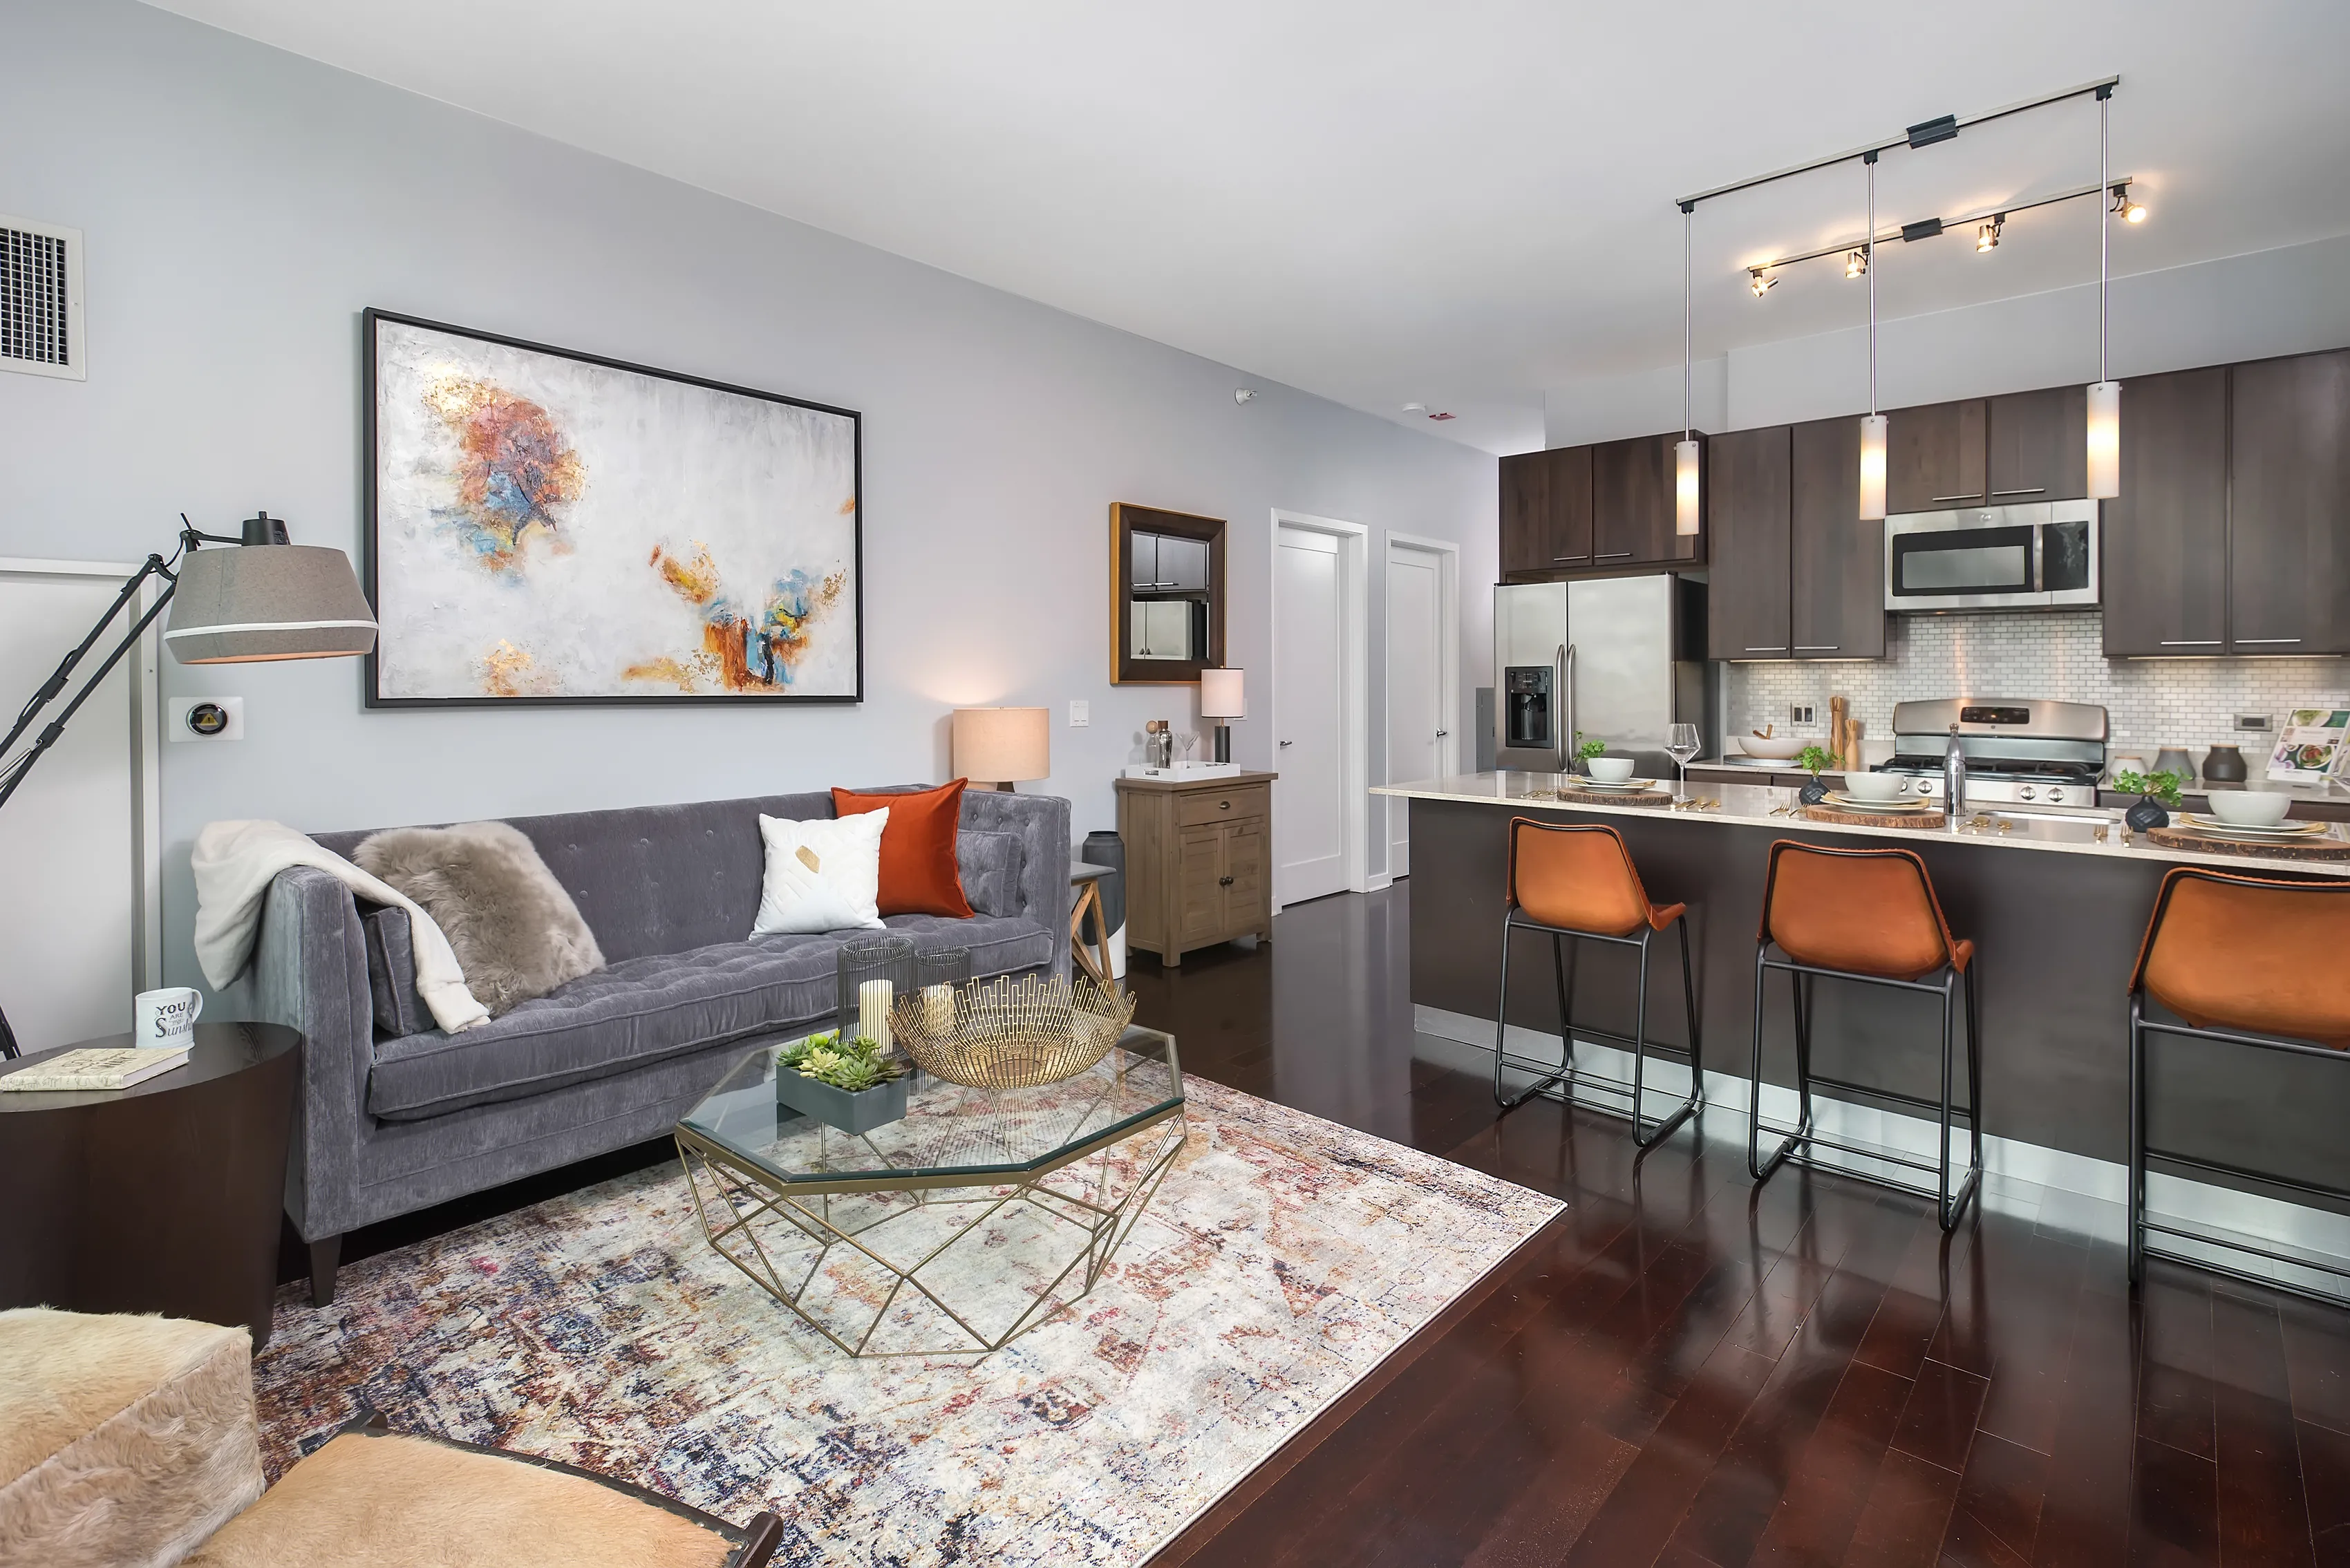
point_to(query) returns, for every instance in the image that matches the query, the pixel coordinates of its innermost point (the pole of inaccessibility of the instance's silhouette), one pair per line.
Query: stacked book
(97, 1068)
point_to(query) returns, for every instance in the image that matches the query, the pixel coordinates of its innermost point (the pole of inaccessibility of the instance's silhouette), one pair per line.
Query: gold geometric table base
(932, 1264)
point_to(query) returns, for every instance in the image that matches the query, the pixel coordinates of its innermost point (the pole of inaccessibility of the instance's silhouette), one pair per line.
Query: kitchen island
(2055, 915)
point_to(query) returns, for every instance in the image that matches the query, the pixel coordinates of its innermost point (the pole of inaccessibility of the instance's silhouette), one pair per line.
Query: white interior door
(1309, 813)
(73, 923)
(1417, 742)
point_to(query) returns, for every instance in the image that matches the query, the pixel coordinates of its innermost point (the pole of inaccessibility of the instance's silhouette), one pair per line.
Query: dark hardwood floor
(1683, 1369)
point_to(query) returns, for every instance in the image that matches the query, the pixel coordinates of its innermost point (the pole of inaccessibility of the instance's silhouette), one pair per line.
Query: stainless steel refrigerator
(1619, 658)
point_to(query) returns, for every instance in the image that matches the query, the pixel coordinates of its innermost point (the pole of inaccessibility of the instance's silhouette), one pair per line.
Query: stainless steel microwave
(2041, 554)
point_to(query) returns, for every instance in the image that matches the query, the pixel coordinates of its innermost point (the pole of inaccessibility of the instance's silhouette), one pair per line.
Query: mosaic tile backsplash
(2059, 654)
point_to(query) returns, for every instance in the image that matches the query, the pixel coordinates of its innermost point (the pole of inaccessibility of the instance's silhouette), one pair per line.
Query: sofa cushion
(919, 870)
(644, 1009)
(391, 971)
(989, 864)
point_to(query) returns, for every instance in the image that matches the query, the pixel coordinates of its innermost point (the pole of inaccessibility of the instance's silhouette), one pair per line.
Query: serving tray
(1833, 816)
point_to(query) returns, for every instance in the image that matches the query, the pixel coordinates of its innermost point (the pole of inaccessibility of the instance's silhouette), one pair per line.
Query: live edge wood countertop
(1768, 805)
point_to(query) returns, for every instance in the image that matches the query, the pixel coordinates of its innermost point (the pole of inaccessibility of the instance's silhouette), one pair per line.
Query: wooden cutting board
(2282, 850)
(1829, 814)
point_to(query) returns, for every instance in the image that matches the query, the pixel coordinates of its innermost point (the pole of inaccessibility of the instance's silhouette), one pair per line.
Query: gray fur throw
(515, 932)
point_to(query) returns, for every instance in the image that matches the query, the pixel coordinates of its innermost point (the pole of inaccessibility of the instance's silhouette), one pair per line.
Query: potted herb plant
(853, 1086)
(2155, 792)
(1585, 750)
(1812, 759)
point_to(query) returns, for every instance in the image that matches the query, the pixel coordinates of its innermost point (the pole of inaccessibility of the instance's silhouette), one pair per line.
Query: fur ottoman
(124, 1441)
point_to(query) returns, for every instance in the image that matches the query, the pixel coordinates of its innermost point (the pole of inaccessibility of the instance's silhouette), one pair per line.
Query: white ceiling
(1455, 204)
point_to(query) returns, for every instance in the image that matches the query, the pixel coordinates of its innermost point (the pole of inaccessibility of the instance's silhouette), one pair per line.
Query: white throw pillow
(823, 874)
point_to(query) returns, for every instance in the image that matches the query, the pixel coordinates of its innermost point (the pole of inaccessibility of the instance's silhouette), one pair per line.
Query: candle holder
(936, 976)
(874, 974)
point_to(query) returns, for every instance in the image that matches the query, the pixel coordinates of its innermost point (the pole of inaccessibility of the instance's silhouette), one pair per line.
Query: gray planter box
(859, 1113)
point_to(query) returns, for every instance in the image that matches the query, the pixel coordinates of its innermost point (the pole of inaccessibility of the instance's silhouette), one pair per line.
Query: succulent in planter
(1812, 759)
(851, 1085)
(2155, 790)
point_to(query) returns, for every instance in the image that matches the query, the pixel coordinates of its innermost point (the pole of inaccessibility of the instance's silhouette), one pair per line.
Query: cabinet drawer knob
(1223, 805)
(1224, 881)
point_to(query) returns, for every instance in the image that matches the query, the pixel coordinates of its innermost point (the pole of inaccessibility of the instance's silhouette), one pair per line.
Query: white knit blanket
(235, 862)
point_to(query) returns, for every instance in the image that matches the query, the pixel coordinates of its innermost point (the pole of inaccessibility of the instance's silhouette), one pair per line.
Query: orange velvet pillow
(918, 875)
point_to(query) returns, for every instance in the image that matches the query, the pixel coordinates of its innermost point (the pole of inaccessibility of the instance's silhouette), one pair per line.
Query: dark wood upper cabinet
(2289, 513)
(2163, 546)
(1567, 533)
(1526, 511)
(1748, 496)
(1632, 504)
(1836, 561)
(1933, 456)
(2039, 445)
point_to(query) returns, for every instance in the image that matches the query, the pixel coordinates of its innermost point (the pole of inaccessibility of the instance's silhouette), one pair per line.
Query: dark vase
(2224, 765)
(2147, 813)
(1814, 791)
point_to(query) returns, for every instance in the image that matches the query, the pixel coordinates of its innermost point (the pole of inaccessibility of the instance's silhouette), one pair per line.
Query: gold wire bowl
(1011, 1035)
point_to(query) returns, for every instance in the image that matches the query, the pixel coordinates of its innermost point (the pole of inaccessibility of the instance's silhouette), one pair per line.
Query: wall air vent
(41, 300)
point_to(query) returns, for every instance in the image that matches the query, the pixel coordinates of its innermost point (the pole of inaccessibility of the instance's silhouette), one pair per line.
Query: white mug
(166, 1019)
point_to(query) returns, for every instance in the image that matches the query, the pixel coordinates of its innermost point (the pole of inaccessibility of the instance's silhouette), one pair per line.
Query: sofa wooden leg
(325, 1254)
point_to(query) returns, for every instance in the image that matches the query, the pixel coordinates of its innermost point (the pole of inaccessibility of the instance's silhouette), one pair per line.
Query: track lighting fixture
(2130, 212)
(2105, 422)
(1760, 283)
(1987, 237)
(1872, 428)
(1689, 495)
(1855, 262)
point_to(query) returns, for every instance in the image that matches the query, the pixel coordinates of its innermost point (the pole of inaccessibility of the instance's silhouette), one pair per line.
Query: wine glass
(1681, 745)
(1183, 744)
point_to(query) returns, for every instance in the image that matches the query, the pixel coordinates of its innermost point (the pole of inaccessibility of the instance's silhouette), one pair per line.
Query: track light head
(1761, 282)
(2131, 211)
(1986, 234)
(1855, 262)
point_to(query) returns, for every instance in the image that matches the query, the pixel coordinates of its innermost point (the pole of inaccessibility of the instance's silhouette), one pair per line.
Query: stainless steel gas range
(2019, 752)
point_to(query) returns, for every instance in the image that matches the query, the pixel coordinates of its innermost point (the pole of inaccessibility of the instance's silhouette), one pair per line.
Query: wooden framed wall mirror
(1166, 595)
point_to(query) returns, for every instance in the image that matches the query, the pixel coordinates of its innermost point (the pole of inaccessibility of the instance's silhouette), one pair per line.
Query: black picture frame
(371, 463)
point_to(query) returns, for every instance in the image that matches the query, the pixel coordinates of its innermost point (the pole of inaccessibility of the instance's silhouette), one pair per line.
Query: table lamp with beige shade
(1001, 745)
(1219, 699)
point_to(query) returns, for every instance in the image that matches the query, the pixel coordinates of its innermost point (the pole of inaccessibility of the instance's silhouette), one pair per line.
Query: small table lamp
(1001, 745)
(1220, 698)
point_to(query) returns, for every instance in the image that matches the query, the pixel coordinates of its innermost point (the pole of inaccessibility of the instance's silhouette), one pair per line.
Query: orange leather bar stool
(1577, 881)
(2243, 961)
(1869, 916)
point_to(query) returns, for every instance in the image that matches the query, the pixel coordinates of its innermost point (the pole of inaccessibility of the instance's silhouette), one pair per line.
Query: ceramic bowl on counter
(1783, 748)
(1610, 770)
(1874, 787)
(2250, 808)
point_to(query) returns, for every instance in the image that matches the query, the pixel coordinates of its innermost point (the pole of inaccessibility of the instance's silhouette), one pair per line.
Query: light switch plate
(182, 712)
(1081, 713)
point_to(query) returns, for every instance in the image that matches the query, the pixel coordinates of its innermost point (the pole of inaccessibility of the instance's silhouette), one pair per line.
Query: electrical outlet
(2256, 722)
(1799, 714)
(1081, 712)
(207, 718)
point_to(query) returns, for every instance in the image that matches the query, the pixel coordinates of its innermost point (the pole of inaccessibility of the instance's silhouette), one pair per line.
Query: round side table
(164, 1196)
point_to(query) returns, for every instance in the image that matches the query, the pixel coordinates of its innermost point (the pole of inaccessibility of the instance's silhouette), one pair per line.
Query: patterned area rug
(1282, 1260)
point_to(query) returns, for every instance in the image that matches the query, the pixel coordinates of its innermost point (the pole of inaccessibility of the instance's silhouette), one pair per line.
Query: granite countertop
(1768, 805)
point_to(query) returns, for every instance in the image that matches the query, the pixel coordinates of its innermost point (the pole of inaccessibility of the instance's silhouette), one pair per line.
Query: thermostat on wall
(208, 719)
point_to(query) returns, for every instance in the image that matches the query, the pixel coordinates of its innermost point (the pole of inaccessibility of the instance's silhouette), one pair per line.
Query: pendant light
(2105, 396)
(1872, 428)
(1686, 494)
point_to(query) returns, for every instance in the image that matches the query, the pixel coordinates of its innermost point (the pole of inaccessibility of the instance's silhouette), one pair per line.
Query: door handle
(2252, 639)
(2192, 641)
(1969, 495)
(1615, 555)
(1441, 734)
(1570, 557)
(1288, 743)
(1815, 647)
(1774, 647)
(2036, 490)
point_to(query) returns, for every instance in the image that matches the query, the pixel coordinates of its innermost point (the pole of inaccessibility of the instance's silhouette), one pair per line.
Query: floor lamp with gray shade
(269, 599)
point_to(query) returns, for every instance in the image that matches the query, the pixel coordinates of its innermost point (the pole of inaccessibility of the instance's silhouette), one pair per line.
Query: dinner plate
(1605, 786)
(2202, 824)
(1843, 802)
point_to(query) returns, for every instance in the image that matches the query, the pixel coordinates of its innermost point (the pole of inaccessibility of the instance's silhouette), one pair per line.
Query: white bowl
(1874, 787)
(1780, 750)
(2249, 808)
(1610, 770)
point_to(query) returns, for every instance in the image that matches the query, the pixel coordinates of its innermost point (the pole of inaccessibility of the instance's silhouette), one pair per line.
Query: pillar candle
(873, 998)
(938, 1010)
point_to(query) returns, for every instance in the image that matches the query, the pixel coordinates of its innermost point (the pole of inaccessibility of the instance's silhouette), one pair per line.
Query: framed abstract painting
(550, 527)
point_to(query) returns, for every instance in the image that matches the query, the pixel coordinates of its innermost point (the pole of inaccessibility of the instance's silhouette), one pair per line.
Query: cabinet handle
(2244, 639)
(1441, 734)
(1570, 557)
(2191, 642)
(1614, 555)
(1223, 805)
(1224, 881)
(1815, 647)
(1970, 496)
(1779, 648)
(2036, 490)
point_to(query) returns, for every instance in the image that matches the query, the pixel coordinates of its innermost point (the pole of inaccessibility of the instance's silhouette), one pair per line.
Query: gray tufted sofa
(395, 1114)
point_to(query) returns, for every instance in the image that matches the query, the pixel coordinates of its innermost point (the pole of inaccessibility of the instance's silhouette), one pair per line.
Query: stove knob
(2028, 792)
(2056, 797)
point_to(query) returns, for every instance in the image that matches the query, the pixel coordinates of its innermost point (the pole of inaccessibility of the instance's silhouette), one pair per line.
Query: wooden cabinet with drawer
(1198, 864)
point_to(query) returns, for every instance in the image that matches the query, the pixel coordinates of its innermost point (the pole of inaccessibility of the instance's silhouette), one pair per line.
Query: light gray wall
(241, 205)
(2283, 301)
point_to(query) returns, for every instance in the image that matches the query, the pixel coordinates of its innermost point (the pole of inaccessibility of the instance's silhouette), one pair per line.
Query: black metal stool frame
(1560, 1084)
(2140, 1151)
(1798, 1139)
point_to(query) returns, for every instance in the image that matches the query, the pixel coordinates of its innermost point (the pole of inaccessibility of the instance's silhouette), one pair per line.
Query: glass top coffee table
(952, 1230)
